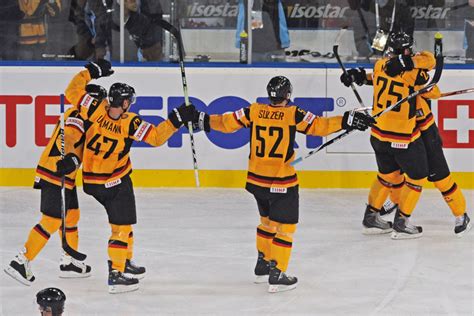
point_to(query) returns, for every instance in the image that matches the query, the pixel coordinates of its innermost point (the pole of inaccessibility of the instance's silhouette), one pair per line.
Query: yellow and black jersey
(399, 125)
(107, 141)
(107, 144)
(77, 95)
(73, 129)
(424, 116)
(272, 139)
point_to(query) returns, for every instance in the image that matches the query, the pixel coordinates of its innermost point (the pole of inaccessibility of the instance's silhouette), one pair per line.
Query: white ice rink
(198, 246)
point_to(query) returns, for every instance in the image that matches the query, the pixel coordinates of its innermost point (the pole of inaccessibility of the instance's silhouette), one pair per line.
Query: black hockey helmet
(96, 91)
(120, 92)
(398, 42)
(53, 298)
(279, 89)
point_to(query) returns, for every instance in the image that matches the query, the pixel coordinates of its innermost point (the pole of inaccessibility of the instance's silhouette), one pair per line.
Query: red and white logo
(456, 123)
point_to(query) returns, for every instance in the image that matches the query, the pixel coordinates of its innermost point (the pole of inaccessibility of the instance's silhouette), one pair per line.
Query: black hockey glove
(201, 122)
(356, 75)
(96, 91)
(101, 68)
(356, 120)
(398, 64)
(67, 165)
(182, 115)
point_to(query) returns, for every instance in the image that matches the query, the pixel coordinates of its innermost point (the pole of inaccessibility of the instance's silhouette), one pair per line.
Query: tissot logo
(222, 10)
(456, 123)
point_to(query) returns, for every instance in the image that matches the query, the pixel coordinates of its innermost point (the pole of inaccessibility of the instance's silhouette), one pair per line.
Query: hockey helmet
(120, 92)
(279, 89)
(398, 42)
(96, 91)
(53, 298)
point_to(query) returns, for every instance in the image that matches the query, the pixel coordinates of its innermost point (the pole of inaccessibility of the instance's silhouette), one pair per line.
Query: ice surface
(198, 246)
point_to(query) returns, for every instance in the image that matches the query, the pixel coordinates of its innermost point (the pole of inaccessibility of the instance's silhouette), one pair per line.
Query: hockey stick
(447, 94)
(177, 35)
(68, 249)
(335, 49)
(434, 81)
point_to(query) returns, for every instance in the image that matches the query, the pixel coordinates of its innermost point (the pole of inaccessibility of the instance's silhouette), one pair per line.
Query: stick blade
(73, 253)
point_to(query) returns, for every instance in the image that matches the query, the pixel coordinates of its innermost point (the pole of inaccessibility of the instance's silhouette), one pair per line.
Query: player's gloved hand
(67, 165)
(96, 91)
(182, 115)
(398, 64)
(356, 75)
(356, 120)
(201, 122)
(101, 68)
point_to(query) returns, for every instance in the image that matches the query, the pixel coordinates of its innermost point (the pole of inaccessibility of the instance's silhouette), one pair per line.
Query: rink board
(29, 107)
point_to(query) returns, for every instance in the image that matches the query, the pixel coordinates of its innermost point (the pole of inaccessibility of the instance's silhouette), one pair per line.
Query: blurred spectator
(362, 20)
(93, 27)
(364, 26)
(270, 37)
(141, 18)
(10, 15)
(32, 36)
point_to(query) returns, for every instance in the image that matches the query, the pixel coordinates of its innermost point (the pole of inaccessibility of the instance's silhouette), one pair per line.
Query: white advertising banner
(29, 107)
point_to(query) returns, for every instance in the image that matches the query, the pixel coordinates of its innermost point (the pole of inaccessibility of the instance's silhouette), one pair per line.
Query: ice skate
(134, 271)
(120, 283)
(374, 224)
(262, 269)
(72, 268)
(19, 269)
(402, 229)
(278, 281)
(463, 225)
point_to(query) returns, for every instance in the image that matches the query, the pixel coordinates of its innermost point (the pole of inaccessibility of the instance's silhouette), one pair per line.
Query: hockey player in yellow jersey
(48, 179)
(439, 173)
(395, 138)
(109, 131)
(271, 178)
(438, 168)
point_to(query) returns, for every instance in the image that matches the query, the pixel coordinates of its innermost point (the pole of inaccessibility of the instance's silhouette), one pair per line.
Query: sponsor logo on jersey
(400, 145)
(142, 130)
(113, 183)
(87, 101)
(309, 117)
(75, 122)
(239, 114)
(207, 11)
(277, 190)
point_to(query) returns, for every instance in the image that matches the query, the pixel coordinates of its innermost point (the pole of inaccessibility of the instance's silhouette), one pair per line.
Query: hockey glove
(67, 165)
(356, 75)
(398, 64)
(182, 115)
(201, 122)
(96, 91)
(101, 68)
(356, 120)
